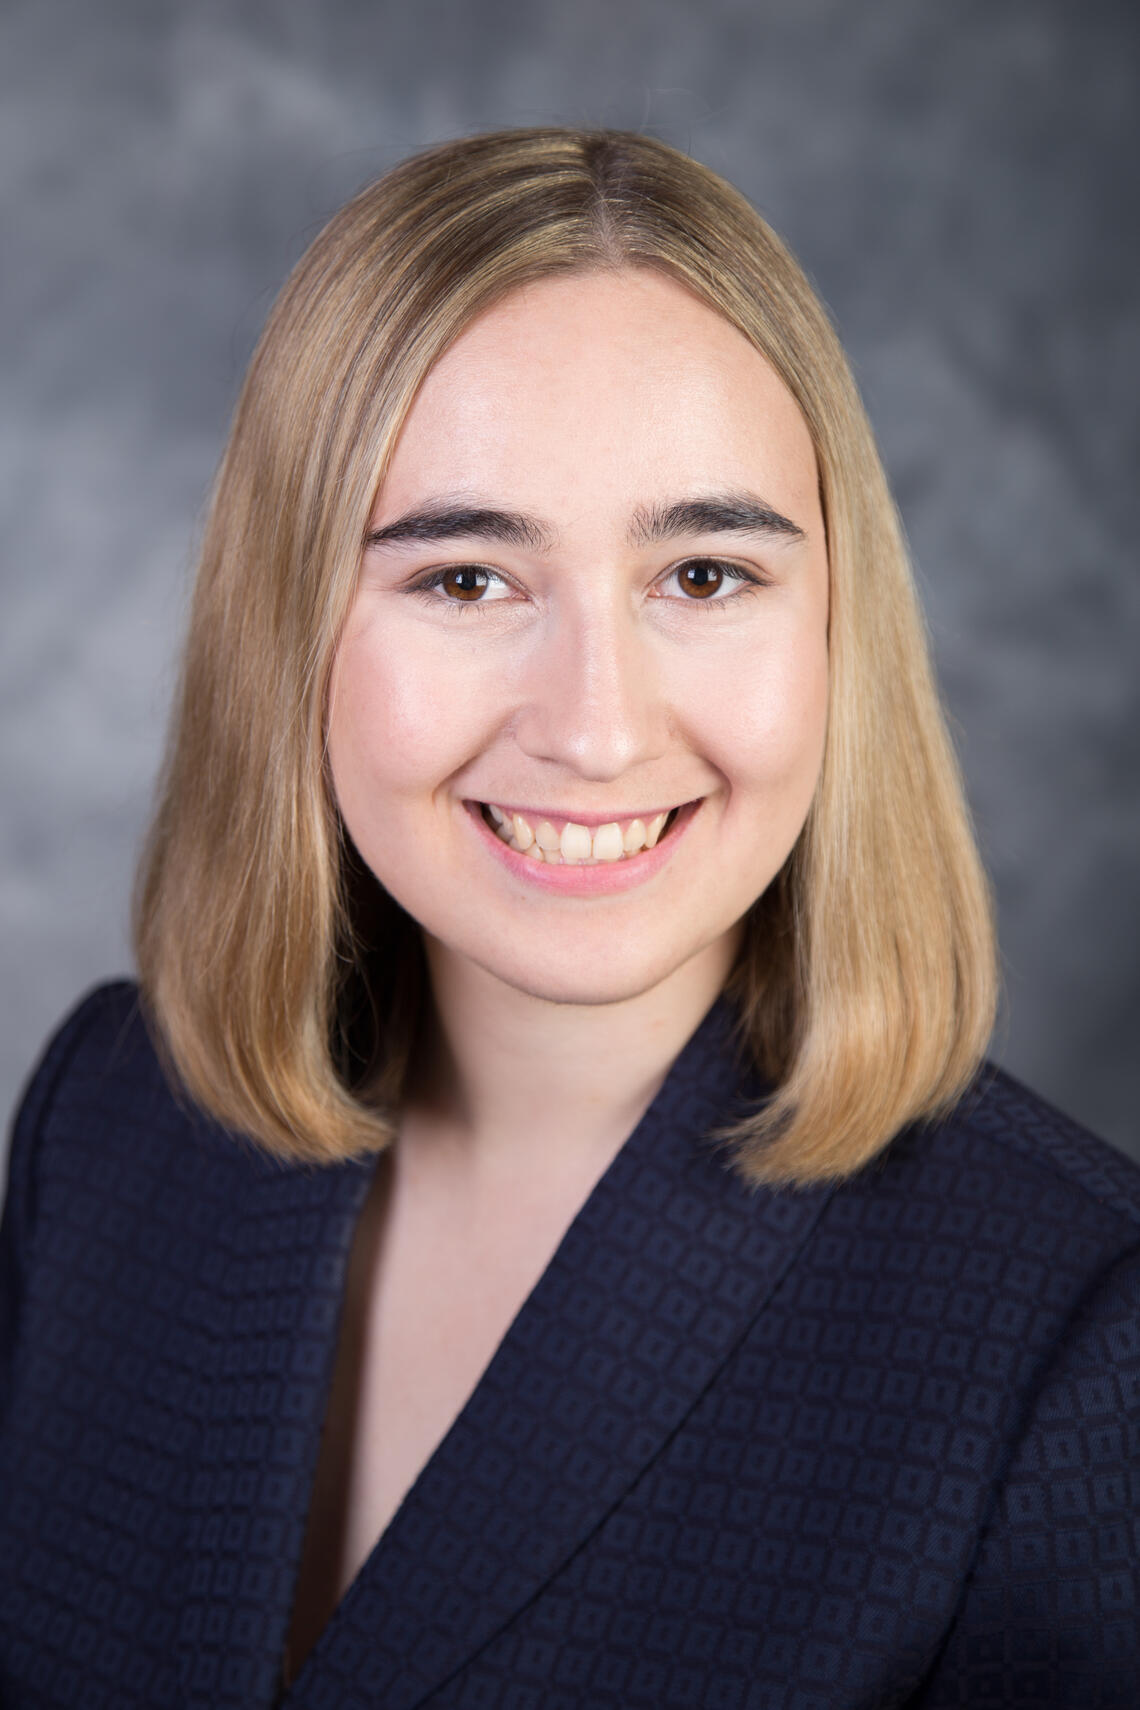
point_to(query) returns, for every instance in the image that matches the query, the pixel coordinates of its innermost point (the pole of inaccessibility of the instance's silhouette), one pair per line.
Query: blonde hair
(283, 986)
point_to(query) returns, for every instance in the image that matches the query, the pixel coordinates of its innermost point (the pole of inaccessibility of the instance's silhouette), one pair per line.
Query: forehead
(619, 382)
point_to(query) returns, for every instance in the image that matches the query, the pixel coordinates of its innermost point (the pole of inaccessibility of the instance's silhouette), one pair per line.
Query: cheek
(394, 729)
(763, 725)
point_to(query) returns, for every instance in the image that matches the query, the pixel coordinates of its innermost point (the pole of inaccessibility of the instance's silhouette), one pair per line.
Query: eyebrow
(723, 513)
(448, 522)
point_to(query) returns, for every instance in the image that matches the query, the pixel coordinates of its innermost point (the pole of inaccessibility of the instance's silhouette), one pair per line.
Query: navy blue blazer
(859, 1446)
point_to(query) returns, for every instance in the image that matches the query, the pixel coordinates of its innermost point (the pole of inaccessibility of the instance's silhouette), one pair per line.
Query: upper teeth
(575, 844)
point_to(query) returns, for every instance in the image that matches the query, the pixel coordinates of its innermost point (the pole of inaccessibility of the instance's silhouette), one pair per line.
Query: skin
(587, 681)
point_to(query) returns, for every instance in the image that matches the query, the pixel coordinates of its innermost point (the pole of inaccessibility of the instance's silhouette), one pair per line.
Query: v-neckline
(327, 1632)
(657, 1277)
(352, 1424)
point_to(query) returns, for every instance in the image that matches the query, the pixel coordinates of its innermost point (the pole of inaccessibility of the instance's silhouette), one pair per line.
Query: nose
(591, 702)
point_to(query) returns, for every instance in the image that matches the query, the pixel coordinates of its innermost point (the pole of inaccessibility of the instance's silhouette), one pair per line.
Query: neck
(517, 1082)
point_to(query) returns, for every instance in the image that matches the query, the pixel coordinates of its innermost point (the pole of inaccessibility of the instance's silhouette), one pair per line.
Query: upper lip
(592, 820)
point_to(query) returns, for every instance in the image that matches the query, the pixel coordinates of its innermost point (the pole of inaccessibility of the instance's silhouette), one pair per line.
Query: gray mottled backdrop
(958, 178)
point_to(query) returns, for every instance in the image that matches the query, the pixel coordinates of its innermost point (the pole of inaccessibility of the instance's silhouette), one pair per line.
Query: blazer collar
(658, 1278)
(261, 1346)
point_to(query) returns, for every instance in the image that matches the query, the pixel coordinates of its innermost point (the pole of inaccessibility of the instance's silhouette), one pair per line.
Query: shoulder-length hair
(282, 983)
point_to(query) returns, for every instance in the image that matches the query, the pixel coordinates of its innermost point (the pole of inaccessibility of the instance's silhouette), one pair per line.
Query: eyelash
(428, 587)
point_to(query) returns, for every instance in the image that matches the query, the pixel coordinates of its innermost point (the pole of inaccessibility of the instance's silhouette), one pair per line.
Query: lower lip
(605, 878)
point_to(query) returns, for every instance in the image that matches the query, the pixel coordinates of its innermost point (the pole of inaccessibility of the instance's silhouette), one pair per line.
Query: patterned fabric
(867, 1446)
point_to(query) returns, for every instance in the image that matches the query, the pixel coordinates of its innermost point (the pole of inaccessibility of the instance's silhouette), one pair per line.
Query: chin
(590, 979)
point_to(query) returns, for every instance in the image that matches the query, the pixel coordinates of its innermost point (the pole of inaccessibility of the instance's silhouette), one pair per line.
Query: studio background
(959, 181)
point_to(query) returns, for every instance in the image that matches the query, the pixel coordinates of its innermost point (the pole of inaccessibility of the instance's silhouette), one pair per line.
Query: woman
(541, 1233)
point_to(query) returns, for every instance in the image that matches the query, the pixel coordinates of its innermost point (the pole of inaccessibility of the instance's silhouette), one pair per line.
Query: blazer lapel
(655, 1283)
(263, 1339)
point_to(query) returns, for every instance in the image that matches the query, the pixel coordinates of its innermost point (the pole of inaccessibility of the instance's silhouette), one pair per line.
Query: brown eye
(465, 582)
(701, 577)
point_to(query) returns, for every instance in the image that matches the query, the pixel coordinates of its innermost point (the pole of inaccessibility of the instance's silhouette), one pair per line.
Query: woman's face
(595, 593)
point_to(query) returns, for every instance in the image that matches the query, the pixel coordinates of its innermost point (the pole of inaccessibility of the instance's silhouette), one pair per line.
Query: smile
(559, 841)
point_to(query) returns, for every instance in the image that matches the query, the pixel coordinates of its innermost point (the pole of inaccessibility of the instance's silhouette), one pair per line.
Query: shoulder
(98, 1085)
(103, 1037)
(1018, 1163)
(101, 1133)
(1017, 1233)
(103, 1081)
(128, 1209)
(1003, 1234)
(1064, 1208)
(84, 1047)
(1003, 1120)
(1052, 1278)
(88, 1039)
